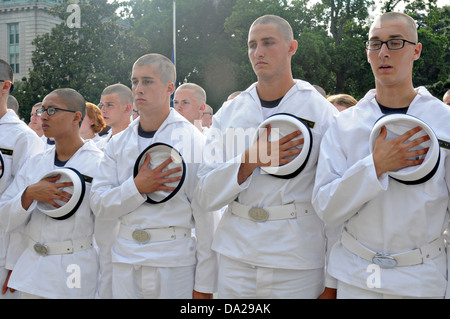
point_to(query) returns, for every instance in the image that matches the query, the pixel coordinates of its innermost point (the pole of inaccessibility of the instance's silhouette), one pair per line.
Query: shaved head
(389, 16)
(72, 100)
(282, 25)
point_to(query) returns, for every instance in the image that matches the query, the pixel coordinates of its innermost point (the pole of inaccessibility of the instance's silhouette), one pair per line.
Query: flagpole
(174, 34)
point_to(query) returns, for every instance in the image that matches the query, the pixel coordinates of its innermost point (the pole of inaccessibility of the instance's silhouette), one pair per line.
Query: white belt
(153, 234)
(61, 248)
(263, 214)
(409, 258)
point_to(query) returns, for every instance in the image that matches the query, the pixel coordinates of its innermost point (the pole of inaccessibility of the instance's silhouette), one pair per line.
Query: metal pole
(174, 34)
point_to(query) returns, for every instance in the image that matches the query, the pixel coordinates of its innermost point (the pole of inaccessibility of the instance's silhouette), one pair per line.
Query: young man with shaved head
(190, 101)
(153, 254)
(283, 254)
(392, 243)
(59, 260)
(116, 103)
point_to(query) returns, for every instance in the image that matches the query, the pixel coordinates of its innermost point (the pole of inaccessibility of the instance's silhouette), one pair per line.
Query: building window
(13, 46)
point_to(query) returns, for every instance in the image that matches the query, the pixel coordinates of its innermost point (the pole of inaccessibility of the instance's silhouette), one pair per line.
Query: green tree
(98, 53)
(202, 46)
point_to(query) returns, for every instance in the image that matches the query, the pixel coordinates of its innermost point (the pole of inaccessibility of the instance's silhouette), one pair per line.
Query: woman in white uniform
(66, 265)
(353, 187)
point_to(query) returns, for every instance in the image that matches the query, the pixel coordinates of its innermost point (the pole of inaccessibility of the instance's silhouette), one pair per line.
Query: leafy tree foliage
(211, 45)
(99, 53)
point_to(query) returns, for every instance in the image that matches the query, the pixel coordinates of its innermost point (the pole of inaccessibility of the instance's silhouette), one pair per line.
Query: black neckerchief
(58, 162)
(145, 134)
(270, 104)
(391, 110)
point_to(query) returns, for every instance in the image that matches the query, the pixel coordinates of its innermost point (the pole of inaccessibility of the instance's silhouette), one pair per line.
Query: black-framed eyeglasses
(51, 110)
(135, 112)
(393, 44)
(207, 113)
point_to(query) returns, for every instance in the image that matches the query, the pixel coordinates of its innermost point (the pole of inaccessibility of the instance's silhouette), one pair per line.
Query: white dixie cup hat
(160, 152)
(283, 124)
(397, 125)
(78, 189)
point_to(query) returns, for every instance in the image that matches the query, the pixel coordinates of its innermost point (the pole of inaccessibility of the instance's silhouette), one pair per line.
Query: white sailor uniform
(296, 240)
(383, 215)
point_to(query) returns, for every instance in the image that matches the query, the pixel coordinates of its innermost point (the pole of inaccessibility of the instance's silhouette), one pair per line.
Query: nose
(44, 116)
(259, 52)
(384, 51)
(138, 88)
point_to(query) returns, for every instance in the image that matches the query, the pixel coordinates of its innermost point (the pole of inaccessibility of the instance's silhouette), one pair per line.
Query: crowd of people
(174, 207)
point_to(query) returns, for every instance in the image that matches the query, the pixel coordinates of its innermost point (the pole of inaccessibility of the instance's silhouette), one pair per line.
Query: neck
(270, 90)
(198, 125)
(87, 135)
(119, 127)
(395, 97)
(65, 147)
(152, 121)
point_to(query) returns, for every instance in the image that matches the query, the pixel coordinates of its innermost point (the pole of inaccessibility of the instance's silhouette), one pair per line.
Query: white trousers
(238, 280)
(144, 282)
(346, 291)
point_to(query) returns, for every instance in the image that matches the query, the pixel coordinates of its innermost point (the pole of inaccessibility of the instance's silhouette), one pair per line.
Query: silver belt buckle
(41, 249)
(258, 214)
(384, 261)
(141, 236)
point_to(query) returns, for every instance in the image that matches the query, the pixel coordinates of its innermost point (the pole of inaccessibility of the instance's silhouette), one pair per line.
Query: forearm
(337, 198)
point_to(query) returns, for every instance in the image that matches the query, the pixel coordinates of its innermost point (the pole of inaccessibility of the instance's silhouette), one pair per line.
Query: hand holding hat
(391, 155)
(159, 172)
(47, 190)
(267, 152)
(149, 180)
(404, 147)
(280, 147)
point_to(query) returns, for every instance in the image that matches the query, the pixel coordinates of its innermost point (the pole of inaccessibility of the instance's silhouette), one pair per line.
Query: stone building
(20, 22)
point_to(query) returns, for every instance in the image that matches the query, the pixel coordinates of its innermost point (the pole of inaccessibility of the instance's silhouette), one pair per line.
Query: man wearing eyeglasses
(49, 272)
(392, 241)
(207, 116)
(17, 144)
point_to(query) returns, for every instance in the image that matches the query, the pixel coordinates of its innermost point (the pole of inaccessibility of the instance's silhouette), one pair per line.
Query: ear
(77, 119)
(203, 107)
(128, 108)
(170, 88)
(293, 46)
(6, 87)
(417, 51)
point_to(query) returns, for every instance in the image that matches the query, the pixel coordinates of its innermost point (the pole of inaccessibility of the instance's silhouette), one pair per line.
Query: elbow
(325, 211)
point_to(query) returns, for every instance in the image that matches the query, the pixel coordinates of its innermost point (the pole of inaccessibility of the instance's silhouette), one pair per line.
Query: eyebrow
(59, 107)
(144, 78)
(394, 36)
(263, 39)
